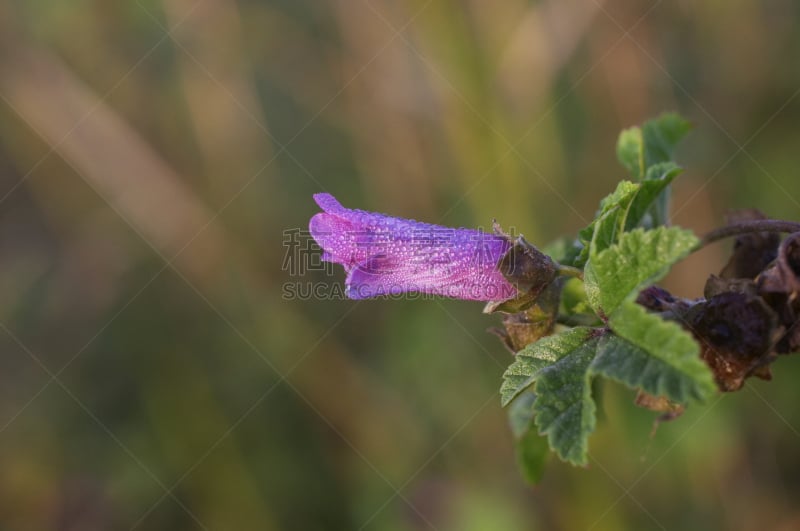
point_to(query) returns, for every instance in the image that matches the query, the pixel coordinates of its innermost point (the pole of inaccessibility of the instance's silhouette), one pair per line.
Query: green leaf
(532, 452)
(603, 229)
(660, 137)
(531, 448)
(639, 259)
(625, 209)
(536, 356)
(564, 408)
(640, 148)
(663, 171)
(629, 151)
(563, 405)
(613, 212)
(655, 355)
(620, 197)
(651, 190)
(520, 414)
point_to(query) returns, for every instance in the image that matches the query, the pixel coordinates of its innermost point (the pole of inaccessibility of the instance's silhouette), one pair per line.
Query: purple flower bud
(383, 255)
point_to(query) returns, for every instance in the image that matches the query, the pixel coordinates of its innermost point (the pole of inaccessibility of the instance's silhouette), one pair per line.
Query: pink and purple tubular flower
(383, 255)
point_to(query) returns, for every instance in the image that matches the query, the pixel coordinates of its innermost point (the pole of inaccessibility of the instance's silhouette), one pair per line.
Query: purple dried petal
(388, 256)
(736, 333)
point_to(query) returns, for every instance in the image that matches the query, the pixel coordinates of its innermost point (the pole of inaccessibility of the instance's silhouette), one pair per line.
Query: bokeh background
(154, 156)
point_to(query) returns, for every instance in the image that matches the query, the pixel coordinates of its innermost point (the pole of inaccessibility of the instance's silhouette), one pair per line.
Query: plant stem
(570, 271)
(747, 227)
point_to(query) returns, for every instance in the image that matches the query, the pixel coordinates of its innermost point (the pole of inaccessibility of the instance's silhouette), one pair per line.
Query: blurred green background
(153, 153)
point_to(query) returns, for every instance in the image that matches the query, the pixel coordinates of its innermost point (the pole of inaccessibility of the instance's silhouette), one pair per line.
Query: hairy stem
(747, 227)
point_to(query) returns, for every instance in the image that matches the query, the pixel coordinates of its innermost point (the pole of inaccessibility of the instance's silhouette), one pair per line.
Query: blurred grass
(146, 179)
